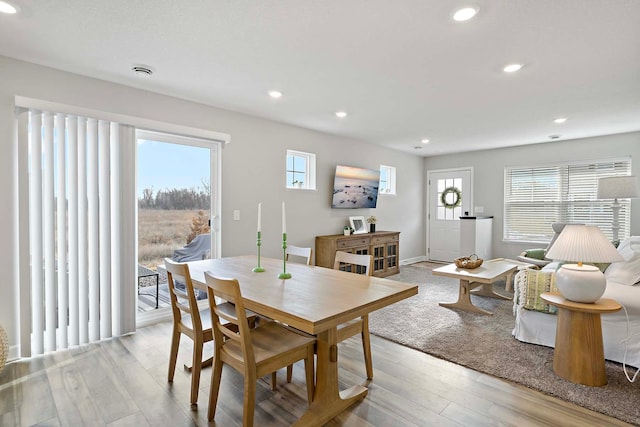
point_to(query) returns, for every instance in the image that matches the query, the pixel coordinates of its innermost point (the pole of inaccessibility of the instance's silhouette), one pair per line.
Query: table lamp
(617, 187)
(580, 244)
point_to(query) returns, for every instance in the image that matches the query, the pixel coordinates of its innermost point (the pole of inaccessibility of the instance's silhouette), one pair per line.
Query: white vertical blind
(80, 260)
(537, 196)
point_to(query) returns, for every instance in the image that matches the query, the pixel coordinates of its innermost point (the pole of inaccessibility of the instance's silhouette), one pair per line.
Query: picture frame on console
(358, 224)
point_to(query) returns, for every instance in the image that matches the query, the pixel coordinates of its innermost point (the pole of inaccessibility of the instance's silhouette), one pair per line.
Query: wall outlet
(479, 209)
(236, 215)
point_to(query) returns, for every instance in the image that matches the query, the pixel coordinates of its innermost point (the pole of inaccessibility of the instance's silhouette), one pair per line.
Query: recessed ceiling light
(465, 14)
(424, 141)
(512, 68)
(341, 114)
(7, 8)
(560, 120)
(142, 70)
(275, 94)
(554, 136)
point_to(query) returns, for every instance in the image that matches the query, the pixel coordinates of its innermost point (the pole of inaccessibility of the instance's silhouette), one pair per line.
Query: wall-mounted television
(355, 188)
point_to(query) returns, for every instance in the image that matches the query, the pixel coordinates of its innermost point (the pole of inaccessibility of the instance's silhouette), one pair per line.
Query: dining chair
(358, 264)
(189, 320)
(255, 352)
(299, 252)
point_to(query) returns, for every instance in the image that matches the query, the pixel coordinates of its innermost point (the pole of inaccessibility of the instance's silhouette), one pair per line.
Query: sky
(162, 165)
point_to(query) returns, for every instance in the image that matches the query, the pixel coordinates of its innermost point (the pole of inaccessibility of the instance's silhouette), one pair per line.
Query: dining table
(314, 300)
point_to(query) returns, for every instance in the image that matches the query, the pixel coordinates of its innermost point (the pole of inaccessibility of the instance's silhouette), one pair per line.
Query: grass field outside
(160, 232)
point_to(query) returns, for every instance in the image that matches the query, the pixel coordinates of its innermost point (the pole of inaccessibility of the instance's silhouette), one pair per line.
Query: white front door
(449, 197)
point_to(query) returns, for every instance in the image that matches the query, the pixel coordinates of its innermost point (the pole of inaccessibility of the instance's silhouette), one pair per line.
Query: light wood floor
(123, 382)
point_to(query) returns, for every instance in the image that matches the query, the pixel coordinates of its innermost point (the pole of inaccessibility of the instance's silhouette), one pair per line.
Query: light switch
(479, 209)
(236, 215)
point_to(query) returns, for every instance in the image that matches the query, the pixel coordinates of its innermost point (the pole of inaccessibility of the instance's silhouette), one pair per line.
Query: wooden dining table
(314, 300)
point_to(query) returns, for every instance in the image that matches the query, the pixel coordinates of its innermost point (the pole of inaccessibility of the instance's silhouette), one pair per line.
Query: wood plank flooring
(123, 382)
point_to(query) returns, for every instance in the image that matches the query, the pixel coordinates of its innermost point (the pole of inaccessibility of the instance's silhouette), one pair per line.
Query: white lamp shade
(617, 187)
(583, 243)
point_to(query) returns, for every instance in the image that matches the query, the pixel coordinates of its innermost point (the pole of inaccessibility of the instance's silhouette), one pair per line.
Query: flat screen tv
(355, 188)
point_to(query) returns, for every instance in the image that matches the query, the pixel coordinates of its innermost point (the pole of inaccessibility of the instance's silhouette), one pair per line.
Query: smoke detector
(142, 70)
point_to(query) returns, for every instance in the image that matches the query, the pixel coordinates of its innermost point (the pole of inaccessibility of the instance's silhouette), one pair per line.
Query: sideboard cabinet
(383, 245)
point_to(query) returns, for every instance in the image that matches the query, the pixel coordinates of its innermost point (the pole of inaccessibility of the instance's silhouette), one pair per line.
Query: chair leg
(216, 374)
(366, 346)
(309, 371)
(289, 373)
(173, 355)
(274, 376)
(250, 381)
(195, 372)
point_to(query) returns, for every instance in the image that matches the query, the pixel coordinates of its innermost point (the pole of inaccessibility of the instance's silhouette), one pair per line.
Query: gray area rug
(485, 344)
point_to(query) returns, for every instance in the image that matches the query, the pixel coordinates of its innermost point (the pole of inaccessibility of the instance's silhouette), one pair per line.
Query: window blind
(77, 205)
(537, 196)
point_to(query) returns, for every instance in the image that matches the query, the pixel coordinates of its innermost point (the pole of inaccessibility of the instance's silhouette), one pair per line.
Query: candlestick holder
(284, 274)
(258, 269)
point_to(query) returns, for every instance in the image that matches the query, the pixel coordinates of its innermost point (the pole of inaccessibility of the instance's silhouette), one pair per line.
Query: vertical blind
(537, 196)
(77, 205)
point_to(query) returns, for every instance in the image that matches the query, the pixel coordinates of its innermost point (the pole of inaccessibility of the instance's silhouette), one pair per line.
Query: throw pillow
(626, 272)
(534, 253)
(532, 283)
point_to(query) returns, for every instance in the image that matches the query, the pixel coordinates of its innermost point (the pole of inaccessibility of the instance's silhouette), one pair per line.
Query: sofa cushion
(530, 284)
(626, 272)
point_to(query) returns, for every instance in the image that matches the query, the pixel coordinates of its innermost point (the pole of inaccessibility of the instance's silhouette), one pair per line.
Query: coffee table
(485, 275)
(579, 354)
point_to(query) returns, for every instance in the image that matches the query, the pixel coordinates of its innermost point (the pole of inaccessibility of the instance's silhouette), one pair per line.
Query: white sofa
(623, 285)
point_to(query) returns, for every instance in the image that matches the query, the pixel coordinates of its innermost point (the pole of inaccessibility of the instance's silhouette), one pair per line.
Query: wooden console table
(579, 354)
(383, 245)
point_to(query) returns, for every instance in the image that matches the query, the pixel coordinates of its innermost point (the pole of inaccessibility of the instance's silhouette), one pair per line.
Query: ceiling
(402, 70)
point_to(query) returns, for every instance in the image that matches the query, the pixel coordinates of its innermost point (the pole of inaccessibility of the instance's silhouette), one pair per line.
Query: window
(301, 170)
(537, 196)
(387, 180)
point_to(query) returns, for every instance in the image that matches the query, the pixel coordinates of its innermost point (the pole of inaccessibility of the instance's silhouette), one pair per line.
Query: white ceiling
(403, 70)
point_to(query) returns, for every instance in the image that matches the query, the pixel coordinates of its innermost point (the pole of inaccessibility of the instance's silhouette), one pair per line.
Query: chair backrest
(297, 251)
(182, 294)
(229, 290)
(354, 263)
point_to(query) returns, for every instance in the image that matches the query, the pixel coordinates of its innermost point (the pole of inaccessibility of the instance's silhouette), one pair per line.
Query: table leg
(464, 299)
(579, 354)
(328, 400)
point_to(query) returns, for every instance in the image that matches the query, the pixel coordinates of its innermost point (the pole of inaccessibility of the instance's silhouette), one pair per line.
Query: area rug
(485, 344)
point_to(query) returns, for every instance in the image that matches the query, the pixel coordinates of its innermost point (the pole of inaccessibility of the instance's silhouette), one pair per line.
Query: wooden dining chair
(299, 252)
(255, 352)
(189, 320)
(359, 264)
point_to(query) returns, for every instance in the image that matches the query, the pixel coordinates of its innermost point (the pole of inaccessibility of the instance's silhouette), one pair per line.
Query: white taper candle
(259, 217)
(284, 220)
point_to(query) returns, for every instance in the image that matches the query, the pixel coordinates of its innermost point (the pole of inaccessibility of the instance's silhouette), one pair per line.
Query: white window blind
(537, 196)
(77, 205)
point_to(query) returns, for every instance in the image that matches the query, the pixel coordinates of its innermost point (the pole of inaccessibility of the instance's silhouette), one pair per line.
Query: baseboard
(14, 353)
(413, 260)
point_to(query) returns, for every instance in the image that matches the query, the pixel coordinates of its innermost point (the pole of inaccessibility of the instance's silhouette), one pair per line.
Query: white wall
(253, 169)
(489, 173)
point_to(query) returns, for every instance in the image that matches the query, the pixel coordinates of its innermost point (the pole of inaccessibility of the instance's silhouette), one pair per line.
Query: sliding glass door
(178, 203)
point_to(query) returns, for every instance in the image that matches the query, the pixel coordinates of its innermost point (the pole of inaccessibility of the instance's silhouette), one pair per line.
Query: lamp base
(584, 283)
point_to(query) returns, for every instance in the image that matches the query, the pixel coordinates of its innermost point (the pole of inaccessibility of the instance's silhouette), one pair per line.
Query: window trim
(391, 180)
(310, 175)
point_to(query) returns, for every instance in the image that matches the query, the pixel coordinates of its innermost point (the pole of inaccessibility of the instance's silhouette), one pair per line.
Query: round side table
(579, 353)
